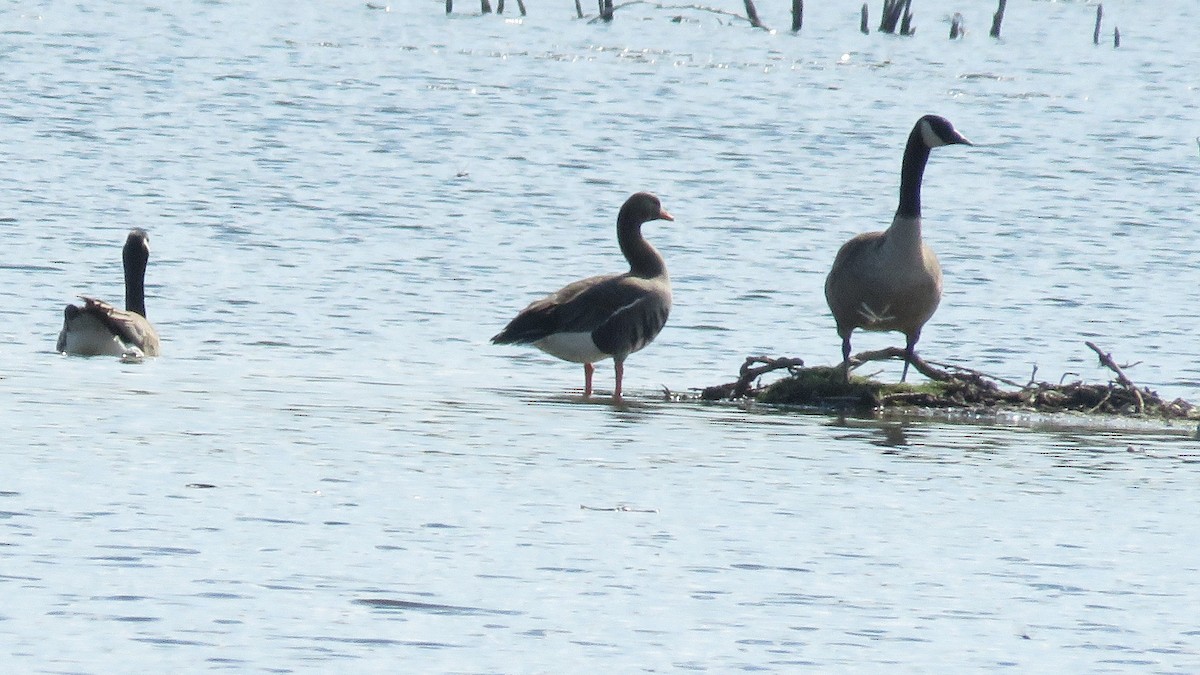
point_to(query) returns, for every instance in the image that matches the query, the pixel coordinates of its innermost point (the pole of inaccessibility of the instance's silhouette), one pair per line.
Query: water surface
(330, 465)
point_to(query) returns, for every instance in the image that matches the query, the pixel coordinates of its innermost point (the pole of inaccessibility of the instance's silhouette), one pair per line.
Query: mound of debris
(949, 386)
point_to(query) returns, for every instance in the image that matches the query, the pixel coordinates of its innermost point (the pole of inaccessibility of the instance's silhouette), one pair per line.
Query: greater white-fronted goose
(99, 329)
(891, 280)
(610, 316)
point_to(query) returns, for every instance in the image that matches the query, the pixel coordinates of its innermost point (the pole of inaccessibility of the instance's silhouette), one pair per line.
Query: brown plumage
(891, 280)
(99, 328)
(608, 316)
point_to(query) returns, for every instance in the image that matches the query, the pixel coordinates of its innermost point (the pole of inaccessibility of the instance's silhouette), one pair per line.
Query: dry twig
(748, 374)
(1107, 361)
(921, 366)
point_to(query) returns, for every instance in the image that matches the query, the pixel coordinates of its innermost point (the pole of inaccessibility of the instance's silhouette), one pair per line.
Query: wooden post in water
(997, 18)
(884, 21)
(896, 11)
(752, 14)
(1099, 16)
(861, 26)
(956, 26)
(606, 10)
(797, 15)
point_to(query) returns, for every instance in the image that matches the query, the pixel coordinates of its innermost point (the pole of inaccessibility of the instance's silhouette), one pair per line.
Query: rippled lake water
(331, 467)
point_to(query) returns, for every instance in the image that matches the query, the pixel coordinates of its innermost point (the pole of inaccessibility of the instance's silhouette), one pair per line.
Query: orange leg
(588, 369)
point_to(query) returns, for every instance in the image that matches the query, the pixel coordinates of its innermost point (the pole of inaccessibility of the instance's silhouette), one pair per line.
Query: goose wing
(579, 307)
(855, 250)
(130, 327)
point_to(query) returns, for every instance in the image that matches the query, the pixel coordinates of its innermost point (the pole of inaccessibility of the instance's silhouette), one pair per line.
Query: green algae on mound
(825, 386)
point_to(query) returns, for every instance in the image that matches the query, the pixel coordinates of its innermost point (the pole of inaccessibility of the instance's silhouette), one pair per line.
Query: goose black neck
(916, 154)
(644, 260)
(135, 280)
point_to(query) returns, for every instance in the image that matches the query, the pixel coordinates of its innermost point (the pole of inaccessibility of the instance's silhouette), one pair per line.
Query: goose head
(642, 207)
(137, 250)
(936, 131)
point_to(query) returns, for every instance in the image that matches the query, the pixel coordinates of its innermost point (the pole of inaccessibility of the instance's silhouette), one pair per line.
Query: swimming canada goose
(605, 316)
(891, 280)
(98, 328)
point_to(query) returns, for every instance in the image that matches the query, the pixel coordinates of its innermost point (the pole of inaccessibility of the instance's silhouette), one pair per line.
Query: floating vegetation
(948, 387)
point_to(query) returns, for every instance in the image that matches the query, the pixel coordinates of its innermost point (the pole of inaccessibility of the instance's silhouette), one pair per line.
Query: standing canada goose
(606, 316)
(891, 280)
(98, 328)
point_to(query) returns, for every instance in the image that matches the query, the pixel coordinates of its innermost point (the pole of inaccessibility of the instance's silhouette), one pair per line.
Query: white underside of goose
(88, 336)
(573, 347)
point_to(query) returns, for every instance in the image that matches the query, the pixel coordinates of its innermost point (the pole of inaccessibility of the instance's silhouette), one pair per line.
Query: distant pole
(956, 26)
(1116, 37)
(897, 11)
(797, 15)
(861, 26)
(906, 23)
(997, 18)
(1096, 33)
(752, 14)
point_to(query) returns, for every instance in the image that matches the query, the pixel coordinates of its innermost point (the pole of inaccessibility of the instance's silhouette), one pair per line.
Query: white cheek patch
(930, 136)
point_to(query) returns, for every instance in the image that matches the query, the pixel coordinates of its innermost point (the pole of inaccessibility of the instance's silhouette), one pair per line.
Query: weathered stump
(520, 6)
(752, 14)
(997, 18)
(896, 12)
